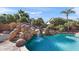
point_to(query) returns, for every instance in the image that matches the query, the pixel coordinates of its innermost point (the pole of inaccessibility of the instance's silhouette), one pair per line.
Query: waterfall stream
(39, 38)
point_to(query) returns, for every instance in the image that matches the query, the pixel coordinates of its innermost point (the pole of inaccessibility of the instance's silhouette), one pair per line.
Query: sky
(45, 12)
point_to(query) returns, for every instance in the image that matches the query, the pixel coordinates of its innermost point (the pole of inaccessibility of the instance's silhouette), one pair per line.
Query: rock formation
(20, 42)
(13, 34)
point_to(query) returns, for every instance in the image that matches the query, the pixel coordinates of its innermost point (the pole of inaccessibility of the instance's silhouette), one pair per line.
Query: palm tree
(67, 12)
(22, 16)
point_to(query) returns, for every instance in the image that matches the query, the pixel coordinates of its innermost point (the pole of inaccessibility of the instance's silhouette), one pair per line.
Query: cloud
(6, 10)
(76, 10)
(35, 13)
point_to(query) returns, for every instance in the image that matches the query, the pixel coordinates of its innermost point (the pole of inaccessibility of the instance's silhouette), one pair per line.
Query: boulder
(4, 27)
(20, 42)
(46, 32)
(25, 36)
(12, 25)
(13, 34)
(28, 36)
(21, 35)
(33, 32)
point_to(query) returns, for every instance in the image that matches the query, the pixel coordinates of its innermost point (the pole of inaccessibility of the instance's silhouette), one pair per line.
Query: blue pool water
(58, 42)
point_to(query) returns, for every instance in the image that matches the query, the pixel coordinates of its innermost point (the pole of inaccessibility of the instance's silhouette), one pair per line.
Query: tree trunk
(67, 16)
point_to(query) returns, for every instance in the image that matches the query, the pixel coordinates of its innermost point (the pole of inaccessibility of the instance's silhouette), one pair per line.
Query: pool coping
(23, 48)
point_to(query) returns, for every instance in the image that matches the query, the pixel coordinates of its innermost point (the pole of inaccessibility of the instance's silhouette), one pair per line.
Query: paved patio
(9, 46)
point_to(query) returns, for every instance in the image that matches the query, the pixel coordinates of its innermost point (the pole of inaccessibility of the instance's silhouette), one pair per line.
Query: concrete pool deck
(9, 46)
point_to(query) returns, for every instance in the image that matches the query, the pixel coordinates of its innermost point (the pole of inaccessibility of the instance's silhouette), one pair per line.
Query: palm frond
(72, 11)
(63, 12)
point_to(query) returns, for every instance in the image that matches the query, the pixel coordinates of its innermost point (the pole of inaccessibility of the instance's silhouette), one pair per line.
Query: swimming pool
(58, 42)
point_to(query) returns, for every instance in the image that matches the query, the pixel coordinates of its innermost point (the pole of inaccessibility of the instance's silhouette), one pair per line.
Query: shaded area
(3, 37)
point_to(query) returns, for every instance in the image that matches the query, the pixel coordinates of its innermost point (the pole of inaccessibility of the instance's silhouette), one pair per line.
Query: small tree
(38, 22)
(24, 19)
(23, 16)
(61, 28)
(57, 21)
(2, 19)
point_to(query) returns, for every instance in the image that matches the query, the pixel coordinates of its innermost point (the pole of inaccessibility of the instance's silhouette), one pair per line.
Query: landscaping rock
(28, 36)
(25, 36)
(20, 42)
(13, 34)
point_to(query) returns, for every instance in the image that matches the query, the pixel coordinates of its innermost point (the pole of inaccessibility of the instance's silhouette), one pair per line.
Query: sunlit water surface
(58, 42)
